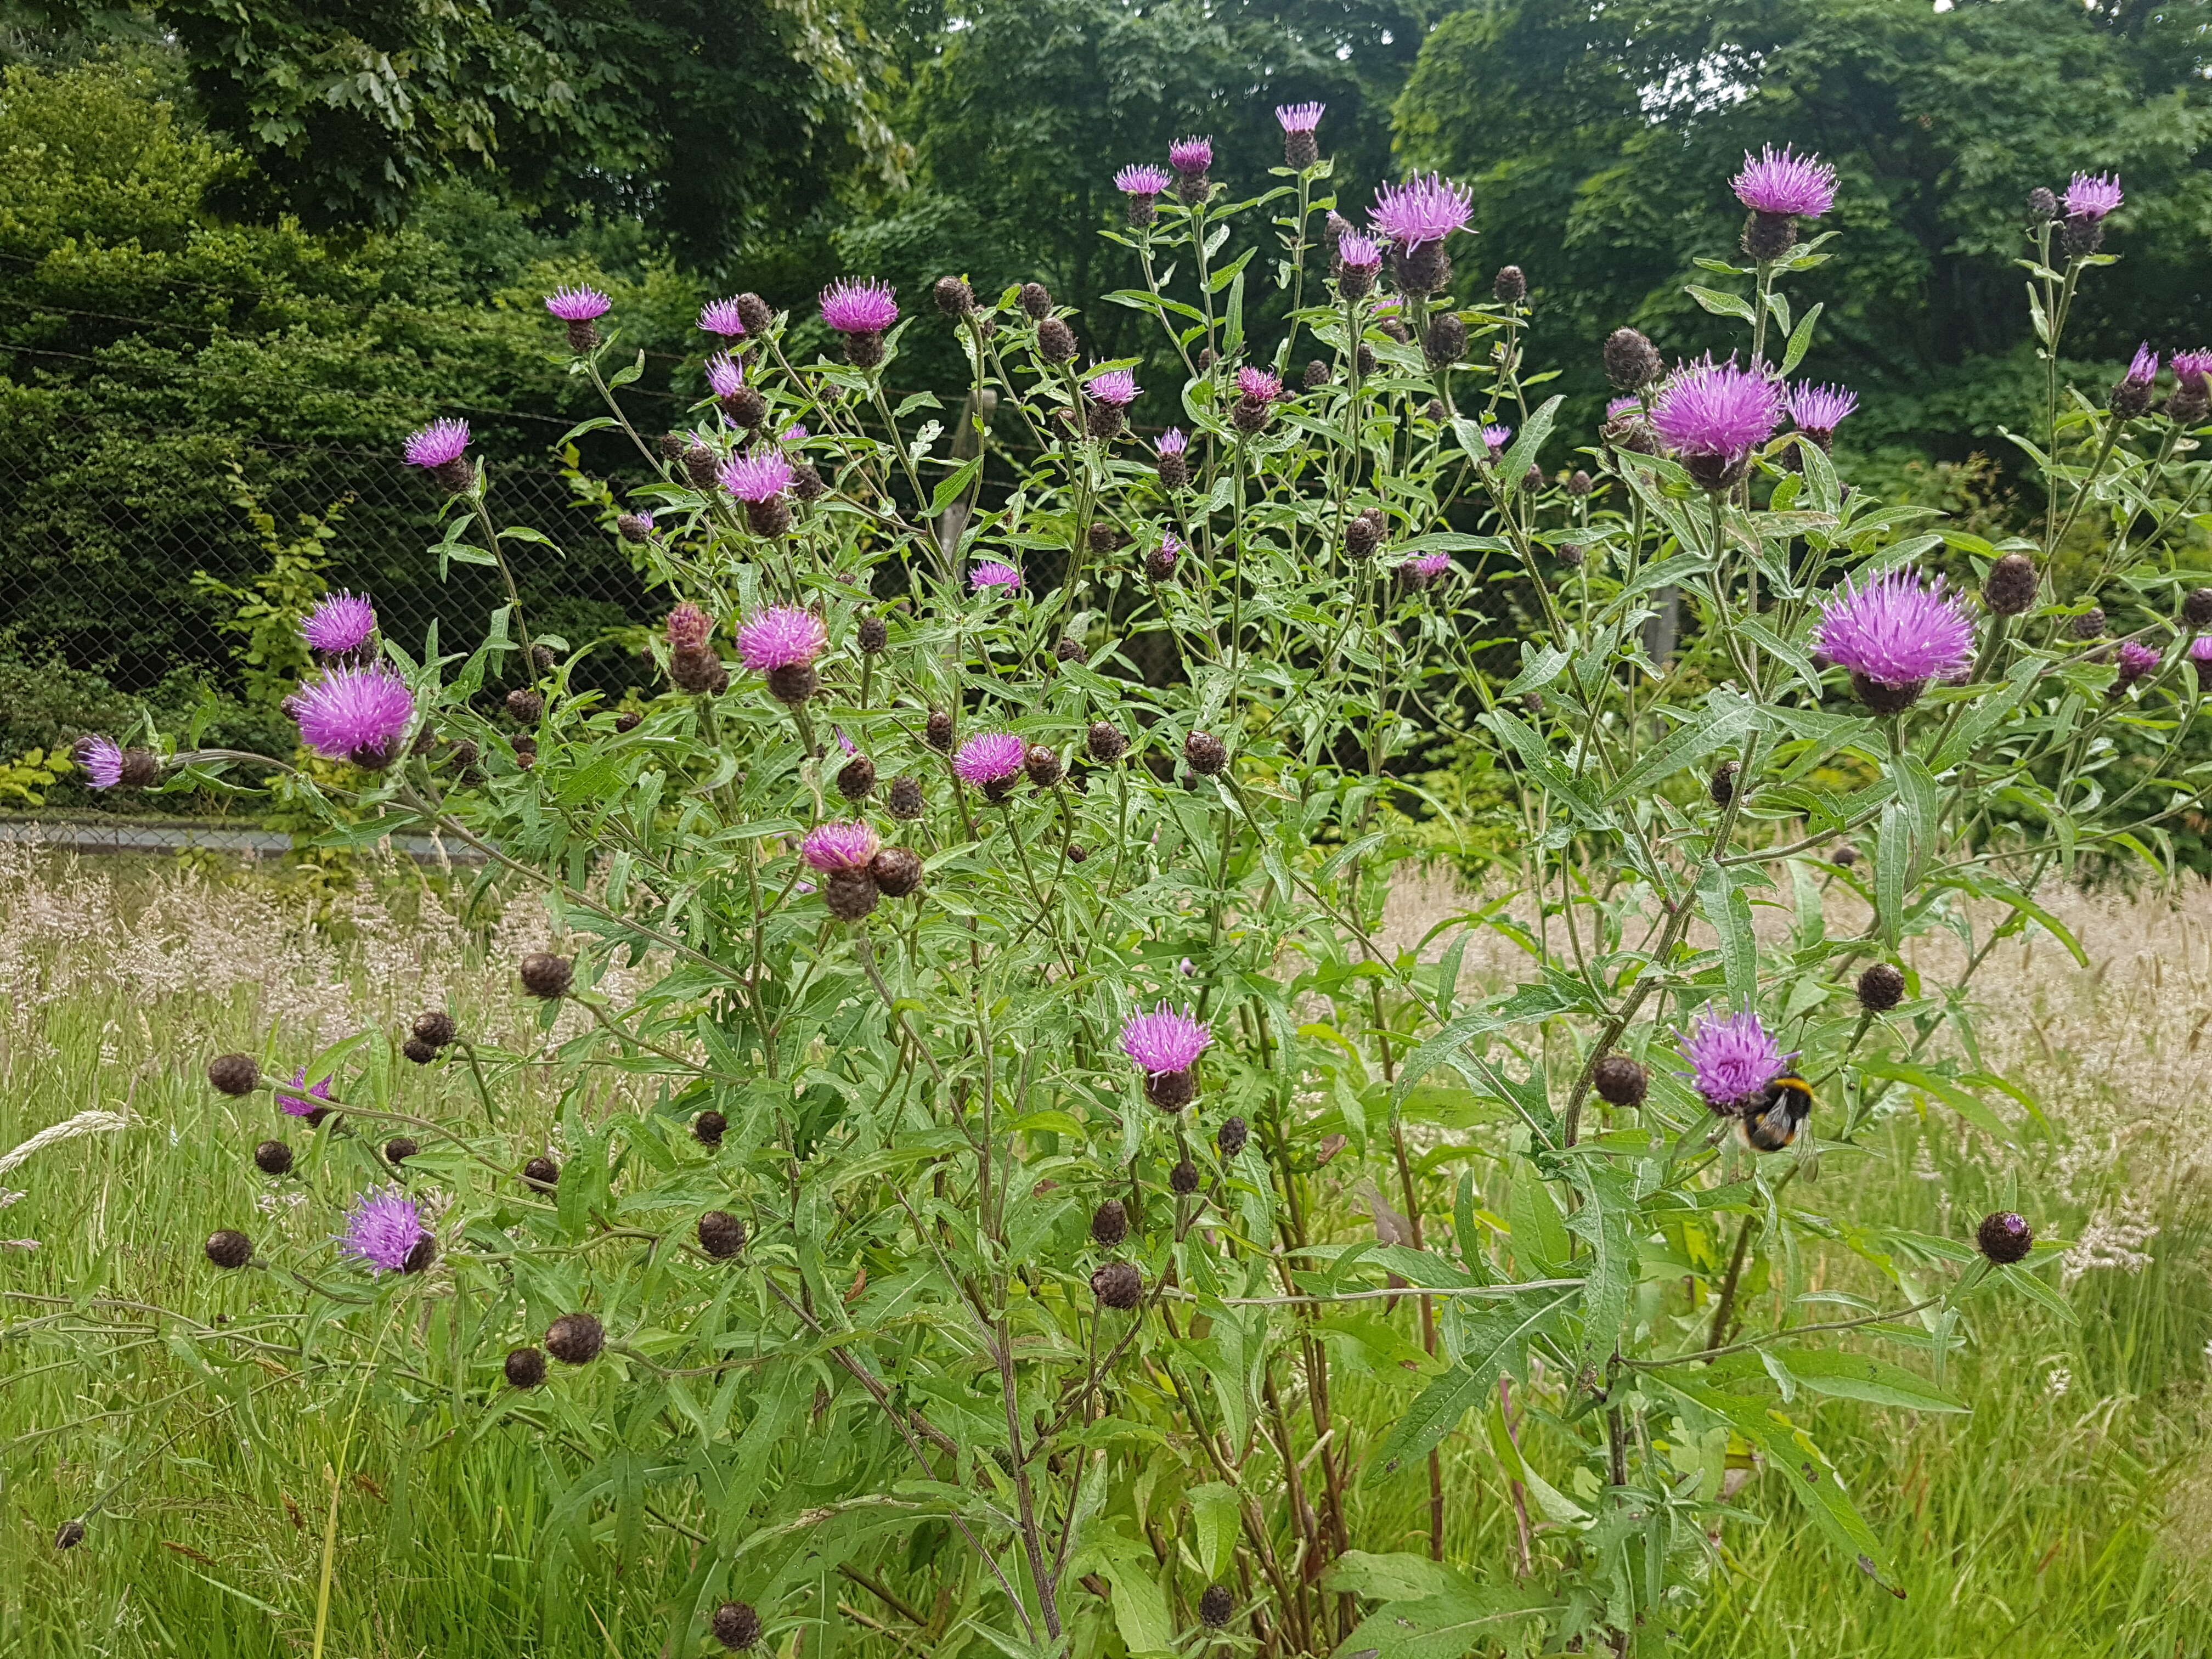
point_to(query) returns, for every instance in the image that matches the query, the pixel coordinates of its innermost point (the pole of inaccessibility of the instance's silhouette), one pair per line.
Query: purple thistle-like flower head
(781, 636)
(994, 573)
(1191, 155)
(355, 713)
(861, 304)
(1422, 209)
(760, 476)
(2192, 367)
(438, 443)
(1357, 251)
(2093, 195)
(1142, 180)
(341, 623)
(1732, 1059)
(382, 1230)
(1820, 408)
(1165, 1041)
(308, 1103)
(1117, 388)
(2136, 659)
(1896, 631)
(726, 375)
(721, 317)
(1802, 186)
(1299, 118)
(1624, 406)
(989, 757)
(831, 848)
(578, 304)
(1496, 438)
(1173, 441)
(1429, 566)
(2200, 650)
(795, 433)
(1262, 385)
(2143, 369)
(1716, 409)
(102, 759)
(689, 628)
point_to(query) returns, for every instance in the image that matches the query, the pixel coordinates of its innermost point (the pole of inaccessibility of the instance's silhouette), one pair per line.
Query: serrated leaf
(1497, 1337)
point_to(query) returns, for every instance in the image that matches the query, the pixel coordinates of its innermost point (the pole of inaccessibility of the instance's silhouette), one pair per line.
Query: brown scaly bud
(628, 720)
(756, 314)
(1076, 852)
(1631, 362)
(700, 465)
(905, 799)
(399, 1149)
(953, 296)
(545, 976)
(2042, 205)
(708, 1129)
(1844, 856)
(1364, 535)
(542, 1173)
(1109, 1223)
(524, 1367)
(937, 731)
(1042, 766)
(872, 636)
(1395, 329)
(2197, 609)
(2011, 585)
(702, 673)
(418, 1051)
(1105, 536)
(850, 894)
(896, 870)
(634, 527)
(806, 483)
(1205, 754)
(69, 1535)
(1881, 987)
(671, 444)
(1036, 300)
(1424, 268)
(1316, 375)
(436, 1028)
(1571, 556)
(575, 1339)
(1510, 285)
(1435, 410)
(1364, 357)
(1721, 785)
(1069, 649)
(1215, 1606)
(235, 1074)
(1768, 236)
(2090, 623)
(793, 682)
(1055, 341)
(1580, 484)
(721, 1235)
(769, 519)
(524, 706)
(745, 407)
(273, 1158)
(1104, 421)
(736, 1627)
(1118, 1284)
(1183, 1178)
(1620, 1081)
(1174, 471)
(856, 779)
(1447, 342)
(229, 1248)
(140, 769)
(2004, 1237)
(1251, 414)
(1104, 743)
(1171, 1091)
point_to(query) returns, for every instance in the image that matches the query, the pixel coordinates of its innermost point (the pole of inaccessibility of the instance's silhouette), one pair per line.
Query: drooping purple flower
(1716, 409)
(1142, 180)
(2136, 659)
(726, 375)
(2093, 195)
(860, 305)
(1262, 385)
(2143, 368)
(1117, 388)
(356, 714)
(340, 624)
(721, 317)
(439, 444)
(1896, 631)
(762, 476)
(1357, 251)
(1299, 118)
(1496, 438)
(577, 305)
(1732, 1059)
(1191, 156)
(383, 1230)
(311, 1102)
(1164, 1040)
(2192, 368)
(831, 848)
(1819, 409)
(988, 757)
(102, 759)
(1802, 186)
(1173, 441)
(994, 573)
(845, 744)
(1422, 209)
(781, 636)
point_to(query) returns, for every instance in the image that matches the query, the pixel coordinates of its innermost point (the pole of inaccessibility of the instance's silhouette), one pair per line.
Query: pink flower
(1802, 185)
(102, 760)
(2093, 195)
(577, 305)
(1495, 438)
(1716, 409)
(1429, 566)
(1299, 118)
(994, 573)
(1819, 409)
(356, 714)
(1357, 251)
(860, 305)
(988, 757)
(384, 1230)
(2191, 367)
(1260, 385)
(2144, 367)
(1162, 1041)
(720, 317)
(726, 375)
(438, 443)
(340, 624)
(1173, 441)
(760, 476)
(307, 1104)
(1422, 209)
(1115, 386)
(1191, 156)
(1732, 1059)
(829, 848)
(781, 636)
(1143, 179)
(2136, 659)
(689, 628)
(2200, 652)
(1896, 632)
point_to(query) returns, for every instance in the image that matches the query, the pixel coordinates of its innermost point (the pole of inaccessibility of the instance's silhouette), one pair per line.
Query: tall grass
(2070, 1515)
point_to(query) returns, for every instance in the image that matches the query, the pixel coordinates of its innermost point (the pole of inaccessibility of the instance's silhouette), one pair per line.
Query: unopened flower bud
(721, 1235)
(1036, 299)
(954, 297)
(1435, 410)
(755, 314)
(701, 673)
(1881, 987)
(1183, 1178)
(1118, 1284)
(436, 1028)
(1509, 285)
(1364, 357)
(1215, 1606)
(1447, 340)
(1069, 649)
(235, 1074)
(857, 778)
(2042, 205)
(545, 976)
(1042, 766)
(418, 1051)
(2011, 585)
(543, 1173)
(1205, 754)
(873, 635)
(273, 1158)
(1364, 535)
(524, 706)
(1232, 1136)
(793, 682)
(575, 1339)
(905, 799)
(850, 894)
(524, 1367)
(2004, 1237)
(1104, 743)
(896, 871)
(1316, 374)
(1105, 536)
(229, 1248)
(1055, 341)
(399, 1149)
(69, 1535)
(937, 732)
(1844, 856)
(1631, 362)
(1620, 1081)
(1580, 484)
(1571, 556)
(1721, 785)
(634, 527)
(2197, 609)
(701, 464)
(1109, 1223)
(2090, 623)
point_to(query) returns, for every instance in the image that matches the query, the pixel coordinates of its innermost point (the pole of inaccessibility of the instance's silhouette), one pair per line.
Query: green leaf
(1601, 1221)
(1801, 340)
(1214, 1512)
(1448, 1626)
(954, 485)
(1960, 1100)
(1725, 721)
(1726, 906)
(1720, 304)
(1522, 455)
(1862, 1376)
(1496, 1339)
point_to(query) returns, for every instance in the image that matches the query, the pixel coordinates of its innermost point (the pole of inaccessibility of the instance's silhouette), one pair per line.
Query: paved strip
(78, 837)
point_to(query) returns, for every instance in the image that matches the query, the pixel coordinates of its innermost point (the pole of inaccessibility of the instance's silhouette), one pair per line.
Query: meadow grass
(2070, 1515)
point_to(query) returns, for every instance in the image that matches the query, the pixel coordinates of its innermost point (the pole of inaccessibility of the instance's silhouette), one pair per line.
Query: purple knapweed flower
(831, 848)
(341, 623)
(1142, 180)
(1819, 409)
(860, 305)
(845, 744)
(2143, 368)
(721, 317)
(994, 573)
(101, 759)
(1191, 156)
(439, 444)
(2136, 659)
(1117, 388)
(781, 636)
(1422, 209)
(2093, 195)
(1896, 632)
(356, 714)
(2192, 368)
(578, 304)
(795, 433)
(1357, 251)
(1429, 566)
(762, 476)
(1803, 186)
(1707, 408)
(1299, 118)
(1262, 385)
(1619, 406)
(988, 757)
(2200, 650)
(313, 1102)
(1165, 1041)
(1173, 441)
(383, 1230)
(1732, 1059)
(689, 628)
(1496, 438)
(726, 375)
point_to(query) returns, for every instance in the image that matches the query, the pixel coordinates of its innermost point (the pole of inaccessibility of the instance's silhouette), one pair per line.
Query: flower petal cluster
(781, 636)
(1299, 118)
(832, 847)
(726, 375)
(1165, 1040)
(1803, 186)
(382, 1230)
(1262, 385)
(354, 713)
(100, 759)
(307, 1104)
(1422, 209)
(1191, 155)
(1716, 409)
(1117, 388)
(994, 573)
(1173, 441)
(1142, 178)
(860, 305)
(1820, 408)
(438, 443)
(989, 757)
(340, 624)
(1896, 630)
(760, 476)
(1731, 1059)
(577, 305)
(2093, 195)
(721, 317)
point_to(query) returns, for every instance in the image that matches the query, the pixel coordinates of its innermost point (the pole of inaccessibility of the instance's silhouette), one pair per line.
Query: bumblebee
(1773, 1123)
